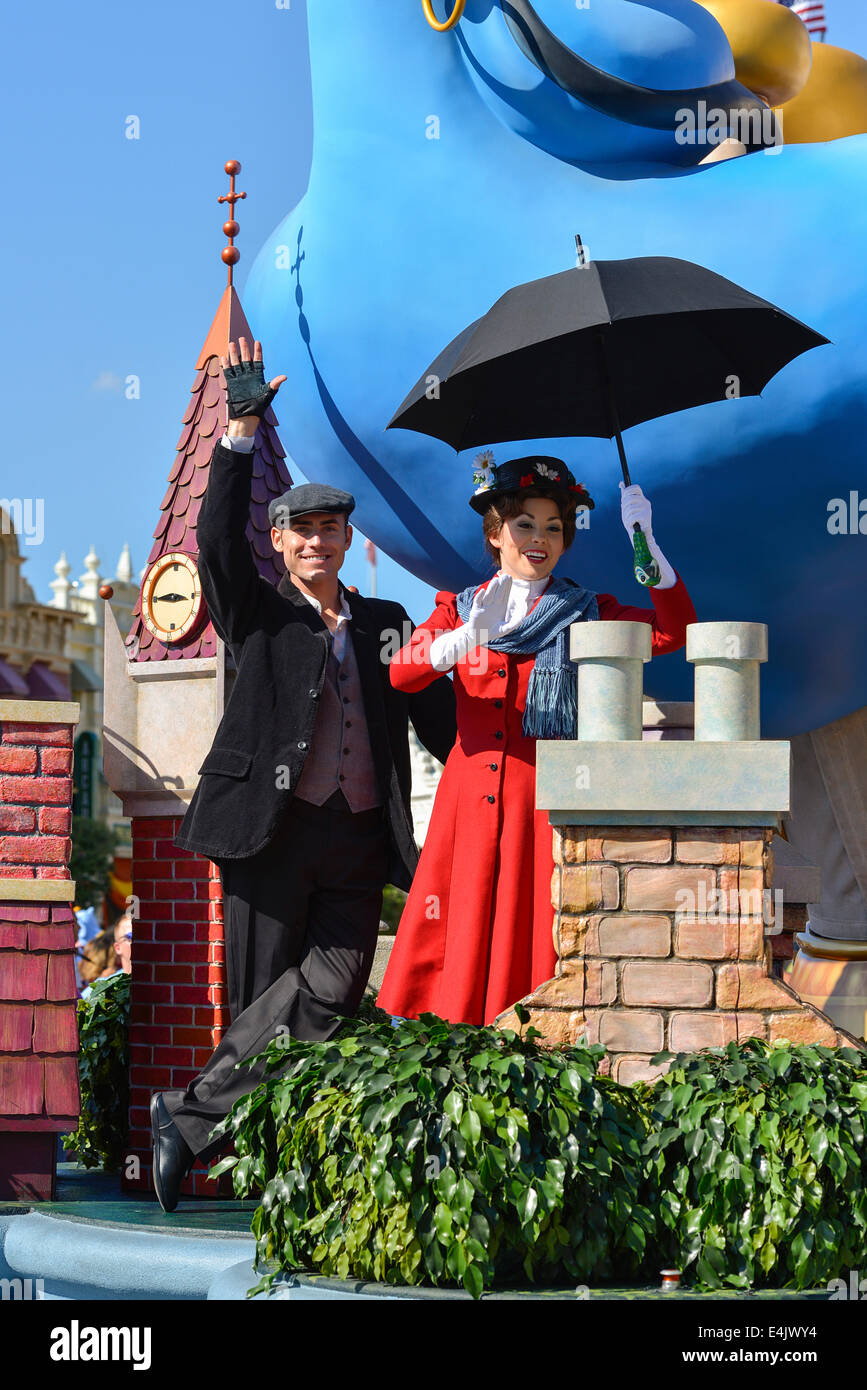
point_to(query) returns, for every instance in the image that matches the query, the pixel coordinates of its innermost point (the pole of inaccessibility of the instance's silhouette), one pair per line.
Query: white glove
(634, 506)
(486, 621)
(488, 613)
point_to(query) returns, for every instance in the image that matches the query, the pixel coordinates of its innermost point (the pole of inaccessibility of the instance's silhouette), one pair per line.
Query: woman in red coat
(476, 931)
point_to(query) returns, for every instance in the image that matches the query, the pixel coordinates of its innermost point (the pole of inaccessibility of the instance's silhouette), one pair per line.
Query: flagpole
(370, 552)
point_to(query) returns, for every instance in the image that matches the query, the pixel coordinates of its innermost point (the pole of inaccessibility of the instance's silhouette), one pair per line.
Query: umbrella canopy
(599, 348)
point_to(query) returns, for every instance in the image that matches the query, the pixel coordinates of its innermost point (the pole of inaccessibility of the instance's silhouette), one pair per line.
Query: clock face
(171, 602)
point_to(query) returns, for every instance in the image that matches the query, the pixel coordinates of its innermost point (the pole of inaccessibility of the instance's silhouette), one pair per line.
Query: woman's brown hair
(97, 956)
(512, 504)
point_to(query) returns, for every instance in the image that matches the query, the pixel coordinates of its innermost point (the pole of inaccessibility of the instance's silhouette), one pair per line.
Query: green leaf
(372, 1116)
(802, 1246)
(716, 1128)
(443, 1219)
(384, 1188)
(527, 1205)
(445, 1184)
(484, 1109)
(471, 1126)
(799, 1097)
(818, 1144)
(508, 1129)
(827, 1236)
(225, 1165)
(453, 1106)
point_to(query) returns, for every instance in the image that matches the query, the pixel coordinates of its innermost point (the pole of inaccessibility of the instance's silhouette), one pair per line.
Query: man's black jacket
(280, 646)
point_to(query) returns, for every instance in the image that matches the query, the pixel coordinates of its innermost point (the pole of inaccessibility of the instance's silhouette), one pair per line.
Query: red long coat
(476, 931)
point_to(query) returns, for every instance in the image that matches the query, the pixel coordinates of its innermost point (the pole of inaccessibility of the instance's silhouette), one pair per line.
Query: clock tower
(166, 686)
(171, 598)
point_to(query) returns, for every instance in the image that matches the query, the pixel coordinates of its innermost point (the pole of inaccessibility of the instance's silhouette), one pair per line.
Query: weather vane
(230, 254)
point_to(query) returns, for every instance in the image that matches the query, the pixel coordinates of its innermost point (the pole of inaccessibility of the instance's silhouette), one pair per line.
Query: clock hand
(170, 598)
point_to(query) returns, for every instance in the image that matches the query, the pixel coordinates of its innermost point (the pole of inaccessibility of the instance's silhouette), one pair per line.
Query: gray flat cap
(308, 497)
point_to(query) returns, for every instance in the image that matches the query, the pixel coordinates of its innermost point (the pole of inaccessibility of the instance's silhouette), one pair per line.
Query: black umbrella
(596, 349)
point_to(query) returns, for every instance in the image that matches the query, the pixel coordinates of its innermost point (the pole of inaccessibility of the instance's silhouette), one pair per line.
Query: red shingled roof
(38, 1030)
(203, 423)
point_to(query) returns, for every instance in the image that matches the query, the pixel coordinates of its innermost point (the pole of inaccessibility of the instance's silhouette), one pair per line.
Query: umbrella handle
(645, 567)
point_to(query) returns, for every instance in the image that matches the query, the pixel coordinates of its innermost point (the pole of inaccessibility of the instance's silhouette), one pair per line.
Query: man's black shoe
(173, 1157)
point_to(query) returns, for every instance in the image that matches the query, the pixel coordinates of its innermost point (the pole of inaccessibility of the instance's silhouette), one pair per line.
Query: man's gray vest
(340, 756)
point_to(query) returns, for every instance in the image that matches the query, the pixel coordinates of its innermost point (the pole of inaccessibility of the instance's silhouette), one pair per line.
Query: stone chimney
(663, 887)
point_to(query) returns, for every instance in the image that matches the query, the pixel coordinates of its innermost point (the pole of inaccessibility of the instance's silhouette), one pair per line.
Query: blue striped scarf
(551, 710)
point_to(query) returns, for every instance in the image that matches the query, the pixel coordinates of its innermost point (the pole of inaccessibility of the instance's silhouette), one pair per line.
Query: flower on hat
(483, 470)
(526, 480)
(584, 498)
(547, 472)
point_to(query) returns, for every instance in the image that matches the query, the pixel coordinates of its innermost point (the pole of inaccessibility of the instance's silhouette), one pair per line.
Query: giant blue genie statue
(449, 166)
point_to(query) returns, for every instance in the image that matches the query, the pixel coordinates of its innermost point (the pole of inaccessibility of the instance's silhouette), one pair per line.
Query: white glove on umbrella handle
(635, 509)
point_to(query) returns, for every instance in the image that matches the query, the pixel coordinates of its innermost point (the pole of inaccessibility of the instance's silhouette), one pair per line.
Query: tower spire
(230, 254)
(203, 422)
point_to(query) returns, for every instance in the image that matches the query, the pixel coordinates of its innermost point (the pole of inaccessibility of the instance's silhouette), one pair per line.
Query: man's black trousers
(301, 920)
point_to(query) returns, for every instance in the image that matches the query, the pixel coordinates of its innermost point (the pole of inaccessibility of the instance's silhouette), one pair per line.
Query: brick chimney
(38, 991)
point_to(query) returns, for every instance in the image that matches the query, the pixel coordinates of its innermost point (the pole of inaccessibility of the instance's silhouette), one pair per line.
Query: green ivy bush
(103, 1074)
(756, 1164)
(443, 1154)
(393, 901)
(446, 1154)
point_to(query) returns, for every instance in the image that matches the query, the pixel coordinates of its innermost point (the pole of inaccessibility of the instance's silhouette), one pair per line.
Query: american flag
(812, 12)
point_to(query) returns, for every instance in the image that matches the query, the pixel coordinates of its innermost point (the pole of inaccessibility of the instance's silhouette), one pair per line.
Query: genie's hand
(247, 395)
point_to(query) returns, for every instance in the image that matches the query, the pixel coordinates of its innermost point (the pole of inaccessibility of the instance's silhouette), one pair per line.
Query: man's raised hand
(247, 394)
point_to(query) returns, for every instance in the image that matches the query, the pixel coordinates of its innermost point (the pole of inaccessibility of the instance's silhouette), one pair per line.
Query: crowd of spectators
(101, 953)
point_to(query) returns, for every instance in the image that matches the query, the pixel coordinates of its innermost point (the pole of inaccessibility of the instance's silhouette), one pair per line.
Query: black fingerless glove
(246, 391)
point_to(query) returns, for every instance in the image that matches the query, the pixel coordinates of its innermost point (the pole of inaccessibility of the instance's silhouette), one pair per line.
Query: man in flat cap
(304, 798)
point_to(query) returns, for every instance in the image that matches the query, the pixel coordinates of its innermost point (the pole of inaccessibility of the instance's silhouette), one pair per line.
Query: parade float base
(95, 1243)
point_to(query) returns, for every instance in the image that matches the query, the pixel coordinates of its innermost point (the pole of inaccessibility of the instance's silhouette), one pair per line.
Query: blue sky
(111, 246)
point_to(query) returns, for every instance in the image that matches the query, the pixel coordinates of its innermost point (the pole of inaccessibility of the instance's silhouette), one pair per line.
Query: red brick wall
(38, 995)
(35, 800)
(178, 985)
